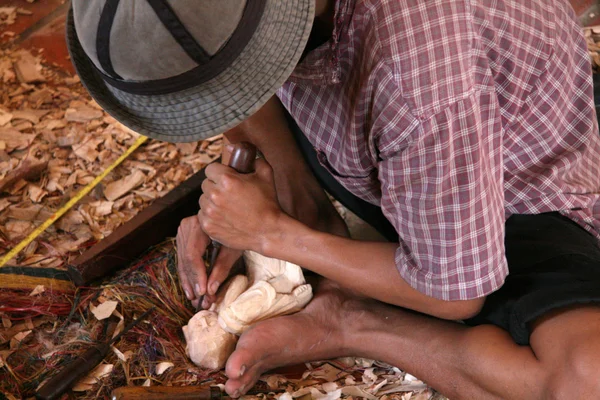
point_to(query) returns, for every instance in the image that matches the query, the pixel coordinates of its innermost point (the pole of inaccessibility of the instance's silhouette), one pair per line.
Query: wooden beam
(150, 227)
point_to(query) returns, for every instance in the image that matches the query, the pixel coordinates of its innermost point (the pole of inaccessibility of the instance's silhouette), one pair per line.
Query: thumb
(263, 169)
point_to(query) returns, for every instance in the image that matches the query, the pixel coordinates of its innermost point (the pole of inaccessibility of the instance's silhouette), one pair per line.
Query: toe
(239, 387)
(242, 360)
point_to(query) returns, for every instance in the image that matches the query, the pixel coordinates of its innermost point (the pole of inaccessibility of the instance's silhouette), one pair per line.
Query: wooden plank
(150, 227)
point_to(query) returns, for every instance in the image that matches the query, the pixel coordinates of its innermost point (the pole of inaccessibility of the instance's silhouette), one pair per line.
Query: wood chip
(93, 377)
(104, 310)
(83, 114)
(37, 290)
(34, 212)
(355, 391)
(5, 117)
(14, 139)
(22, 11)
(187, 148)
(88, 149)
(36, 193)
(327, 372)
(163, 366)
(28, 69)
(72, 81)
(32, 116)
(19, 338)
(6, 322)
(4, 204)
(102, 208)
(18, 229)
(8, 15)
(116, 189)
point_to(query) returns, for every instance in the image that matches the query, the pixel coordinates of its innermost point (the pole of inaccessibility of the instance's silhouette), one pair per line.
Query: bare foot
(315, 333)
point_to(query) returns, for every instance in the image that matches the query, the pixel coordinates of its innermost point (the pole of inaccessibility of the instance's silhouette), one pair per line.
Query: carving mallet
(242, 160)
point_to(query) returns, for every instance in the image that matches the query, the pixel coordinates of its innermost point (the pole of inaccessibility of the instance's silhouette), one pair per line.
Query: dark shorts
(552, 261)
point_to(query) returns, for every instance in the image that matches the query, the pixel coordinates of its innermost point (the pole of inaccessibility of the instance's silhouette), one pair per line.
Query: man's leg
(461, 362)
(554, 266)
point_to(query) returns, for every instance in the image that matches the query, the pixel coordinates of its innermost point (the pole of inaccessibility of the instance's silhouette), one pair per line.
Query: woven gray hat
(185, 70)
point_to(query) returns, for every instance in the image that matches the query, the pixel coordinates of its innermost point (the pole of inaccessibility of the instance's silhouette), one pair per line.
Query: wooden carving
(272, 288)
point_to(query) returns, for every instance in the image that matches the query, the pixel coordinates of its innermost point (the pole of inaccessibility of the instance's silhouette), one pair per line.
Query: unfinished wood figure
(273, 288)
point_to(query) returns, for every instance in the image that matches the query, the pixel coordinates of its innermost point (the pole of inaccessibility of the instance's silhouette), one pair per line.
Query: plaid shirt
(452, 115)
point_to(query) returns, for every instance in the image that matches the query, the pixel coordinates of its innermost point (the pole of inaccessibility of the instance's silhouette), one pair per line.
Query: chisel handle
(242, 157)
(73, 372)
(166, 392)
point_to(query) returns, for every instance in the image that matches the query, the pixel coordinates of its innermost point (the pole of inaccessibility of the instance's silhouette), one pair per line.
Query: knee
(577, 376)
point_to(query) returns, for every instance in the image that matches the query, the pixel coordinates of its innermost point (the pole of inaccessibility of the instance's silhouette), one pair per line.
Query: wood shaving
(8, 15)
(28, 68)
(20, 337)
(37, 290)
(104, 310)
(121, 356)
(378, 381)
(163, 366)
(117, 189)
(90, 380)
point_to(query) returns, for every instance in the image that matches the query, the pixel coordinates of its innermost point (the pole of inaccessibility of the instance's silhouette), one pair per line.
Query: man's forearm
(298, 192)
(366, 267)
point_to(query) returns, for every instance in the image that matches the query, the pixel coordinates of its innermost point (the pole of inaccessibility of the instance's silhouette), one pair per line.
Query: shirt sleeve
(442, 189)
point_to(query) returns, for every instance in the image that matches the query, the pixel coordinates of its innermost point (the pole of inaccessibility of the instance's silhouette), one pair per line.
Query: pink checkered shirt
(452, 115)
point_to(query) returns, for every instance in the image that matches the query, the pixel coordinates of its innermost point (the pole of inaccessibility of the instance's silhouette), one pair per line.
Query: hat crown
(141, 40)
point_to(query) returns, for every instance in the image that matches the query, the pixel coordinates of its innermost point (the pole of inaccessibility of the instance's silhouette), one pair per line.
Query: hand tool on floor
(82, 365)
(174, 393)
(242, 160)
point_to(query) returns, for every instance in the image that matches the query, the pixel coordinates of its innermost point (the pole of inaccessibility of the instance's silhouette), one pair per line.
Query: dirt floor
(54, 141)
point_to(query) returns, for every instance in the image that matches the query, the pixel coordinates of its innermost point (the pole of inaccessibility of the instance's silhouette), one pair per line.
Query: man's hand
(239, 210)
(191, 245)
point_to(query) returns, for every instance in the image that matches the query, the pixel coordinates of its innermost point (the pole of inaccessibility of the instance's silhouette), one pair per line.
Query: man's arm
(366, 267)
(242, 212)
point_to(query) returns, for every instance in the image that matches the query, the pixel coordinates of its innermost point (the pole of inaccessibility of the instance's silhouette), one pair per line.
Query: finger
(215, 171)
(195, 246)
(195, 303)
(210, 191)
(263, 169)
(183, 279)
(208, 301)
(222, 268)
(207, 211)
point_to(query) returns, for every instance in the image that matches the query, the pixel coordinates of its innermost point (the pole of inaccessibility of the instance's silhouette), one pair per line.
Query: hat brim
(220, 104)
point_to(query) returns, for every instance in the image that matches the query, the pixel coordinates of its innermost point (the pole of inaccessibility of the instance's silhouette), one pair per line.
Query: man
(464, 131)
